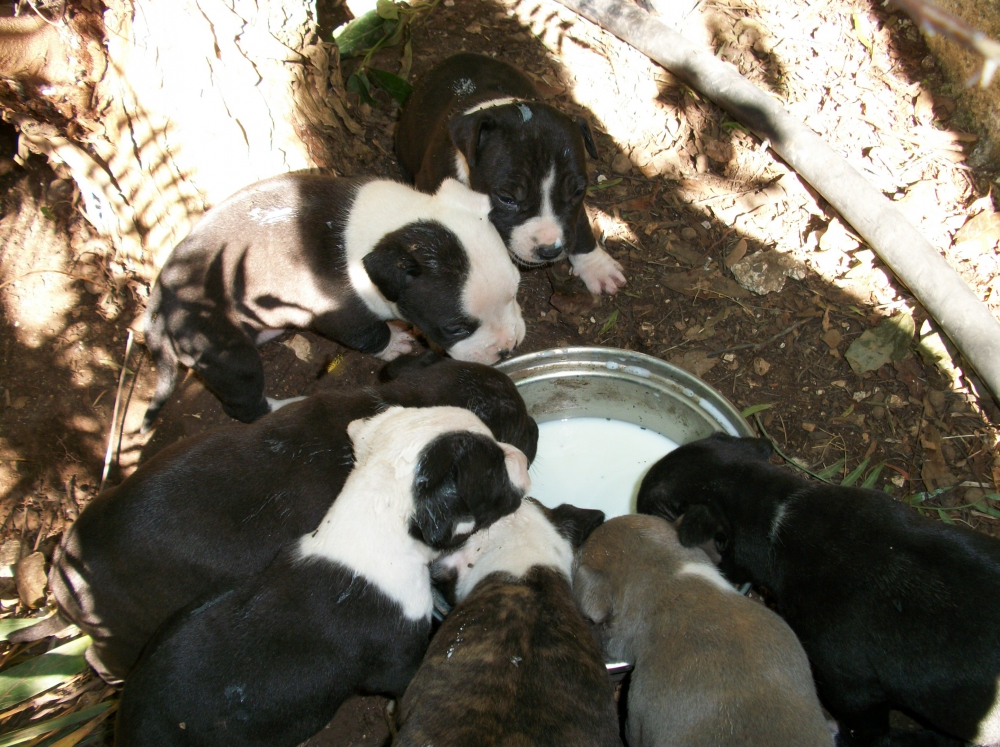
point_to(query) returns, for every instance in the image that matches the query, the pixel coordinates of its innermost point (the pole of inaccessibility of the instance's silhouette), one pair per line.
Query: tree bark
(161, 109)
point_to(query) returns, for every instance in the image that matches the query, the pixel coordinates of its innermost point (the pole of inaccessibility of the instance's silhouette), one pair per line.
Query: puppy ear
(759, 447)
(394, 369)
(517, 466)
(461, 484)
(390, 267)
(359, 431)
(575, 524)
(592, 592)
(467, 131)
(701, 524)
(588, 137)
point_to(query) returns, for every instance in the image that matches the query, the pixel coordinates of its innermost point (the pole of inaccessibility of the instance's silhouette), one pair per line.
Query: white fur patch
(779, 516)
(492, 103)
(514, 544)
(267, 335)
(461, 167)
(598, 270)
(525, 110)
(543, 229)
(272, 216)
(708, 572)
(989, 725)
(367, 527)
(490, 293)
(277, 404)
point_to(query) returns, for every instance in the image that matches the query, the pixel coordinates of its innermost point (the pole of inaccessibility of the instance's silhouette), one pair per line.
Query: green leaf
(873, 476)
(387, 9)
(855, 474)
(407, 62)
(604, 185)
(393, 85)
(862, 36)
(735, 126)
(944, 516)
(30, 732)
(754, 409)
(827, 472)
(889, 341)
(358, 83)
(982, 505)
(16, 623)
(360, 34)
(42, 672)
(610, 322)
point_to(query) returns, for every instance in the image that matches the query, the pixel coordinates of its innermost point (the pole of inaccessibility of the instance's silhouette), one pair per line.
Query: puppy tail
(49, 626)
(162, 349)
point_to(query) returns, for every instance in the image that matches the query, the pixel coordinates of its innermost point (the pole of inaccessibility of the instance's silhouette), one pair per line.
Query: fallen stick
(917, 264)
(114, 412)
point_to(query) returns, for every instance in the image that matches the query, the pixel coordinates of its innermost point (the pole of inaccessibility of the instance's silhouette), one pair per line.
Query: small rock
(301, 347)
(10, 552)
(761, 366)
(719, 151)
(621, 164)
(688, 233)
(936, 398)
(833, 338)
(878, 412)
(474, 28)
(30, 576)
(738, 252)
(701, 163)
(19, 403)
(575, 304)
(835, 237)
(808, 427)
(765, 272)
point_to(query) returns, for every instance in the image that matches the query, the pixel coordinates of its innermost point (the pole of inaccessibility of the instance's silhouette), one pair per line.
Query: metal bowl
(622, 385)
(564, 383)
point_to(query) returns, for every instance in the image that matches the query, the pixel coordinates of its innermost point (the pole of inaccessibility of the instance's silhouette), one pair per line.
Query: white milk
(594, 463)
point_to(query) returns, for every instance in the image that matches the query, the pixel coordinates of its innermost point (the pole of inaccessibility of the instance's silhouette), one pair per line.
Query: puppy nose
(504, 354)
(549, 251)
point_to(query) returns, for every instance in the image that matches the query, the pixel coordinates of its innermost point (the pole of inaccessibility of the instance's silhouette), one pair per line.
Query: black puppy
(479, 120)
(346, 609)
(214, 510)
(894, 610)
(340, 257)
(514, 663)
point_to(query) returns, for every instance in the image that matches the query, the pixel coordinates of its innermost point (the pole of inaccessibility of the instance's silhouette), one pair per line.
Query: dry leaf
(833, 338)
(737, 253)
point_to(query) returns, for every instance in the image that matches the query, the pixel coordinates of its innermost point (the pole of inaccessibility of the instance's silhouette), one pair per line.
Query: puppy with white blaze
(481, 121)
(340, 257)
(513, 663)
(895, 611)
(344, 610)
(711, 667)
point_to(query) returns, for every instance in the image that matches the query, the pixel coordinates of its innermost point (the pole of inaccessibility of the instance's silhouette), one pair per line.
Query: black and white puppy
(340, 257)
(214, 510)
(711, 667)
(346, 609)
(514, 662)
(894, 610)
(479, 120)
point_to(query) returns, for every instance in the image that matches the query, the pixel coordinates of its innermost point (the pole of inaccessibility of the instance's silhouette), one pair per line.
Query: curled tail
(161, 347)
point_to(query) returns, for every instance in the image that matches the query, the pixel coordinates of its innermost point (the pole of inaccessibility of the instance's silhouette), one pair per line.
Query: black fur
(269, 662)
(508, 158)
(895, 611)
(215, 509)
(235, 276)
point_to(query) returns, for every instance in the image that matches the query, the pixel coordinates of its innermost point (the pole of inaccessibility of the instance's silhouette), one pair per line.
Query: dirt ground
(679, 195)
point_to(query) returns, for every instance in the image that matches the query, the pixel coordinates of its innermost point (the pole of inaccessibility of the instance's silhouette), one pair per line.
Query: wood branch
(194, 100)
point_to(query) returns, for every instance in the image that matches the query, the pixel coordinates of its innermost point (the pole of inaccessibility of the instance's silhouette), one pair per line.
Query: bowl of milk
(605, 416)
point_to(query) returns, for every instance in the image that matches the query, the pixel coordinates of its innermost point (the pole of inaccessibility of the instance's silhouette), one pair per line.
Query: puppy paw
(400, 342)
(598, 270)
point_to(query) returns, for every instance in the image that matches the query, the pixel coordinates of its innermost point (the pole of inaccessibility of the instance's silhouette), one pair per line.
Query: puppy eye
(507, 199)
(455, 331)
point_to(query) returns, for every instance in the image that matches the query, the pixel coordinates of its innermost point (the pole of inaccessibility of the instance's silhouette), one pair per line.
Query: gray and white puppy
(340, 257)
(711, 666)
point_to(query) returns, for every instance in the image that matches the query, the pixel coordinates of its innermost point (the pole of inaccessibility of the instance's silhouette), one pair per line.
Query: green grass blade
(43, 672)
(873, 476)
(754, 409)
(610, 322)
(855, 474)
(827, 472)
(36, 730)
(17, 623)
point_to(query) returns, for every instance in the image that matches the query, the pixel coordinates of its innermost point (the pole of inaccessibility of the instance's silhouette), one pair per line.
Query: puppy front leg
(600, 272)
(385, 340)
(400, 342)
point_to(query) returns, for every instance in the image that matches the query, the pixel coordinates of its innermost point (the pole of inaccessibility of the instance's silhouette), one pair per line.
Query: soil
(678, 192)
